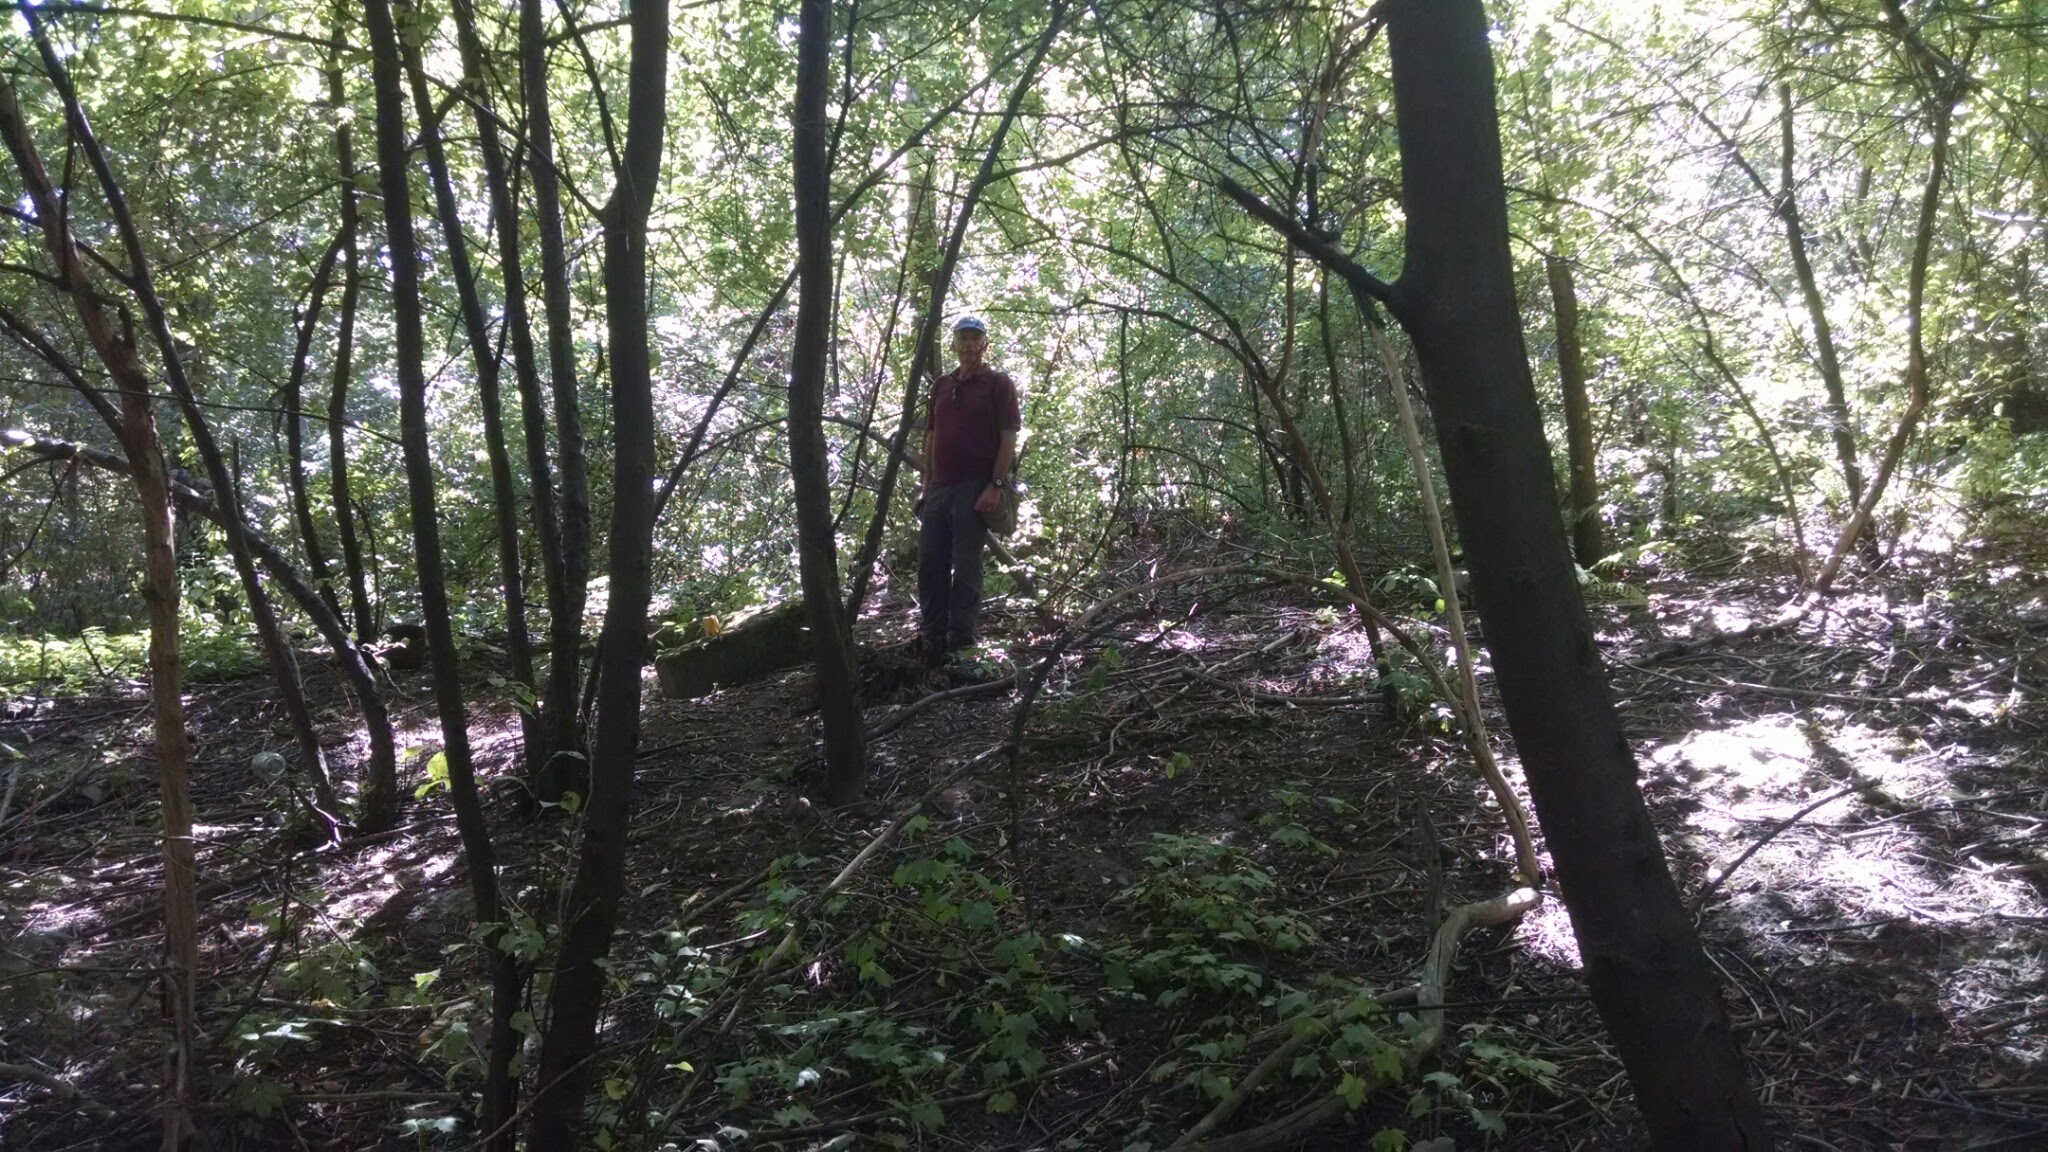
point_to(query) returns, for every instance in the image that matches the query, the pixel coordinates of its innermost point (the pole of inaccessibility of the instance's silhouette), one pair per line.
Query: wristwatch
(999, 482)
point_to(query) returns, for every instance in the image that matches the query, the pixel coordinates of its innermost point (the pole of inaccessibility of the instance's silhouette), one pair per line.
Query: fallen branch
(1264, 696)
(901, 716)
(1719, 876)
(1429, 1004)
(59, 1087)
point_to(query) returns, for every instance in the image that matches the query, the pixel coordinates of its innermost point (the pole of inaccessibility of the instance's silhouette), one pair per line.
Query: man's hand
(917, 504)
(990, 497)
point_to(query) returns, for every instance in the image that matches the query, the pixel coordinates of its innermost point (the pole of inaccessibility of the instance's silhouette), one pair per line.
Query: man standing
(970, 440)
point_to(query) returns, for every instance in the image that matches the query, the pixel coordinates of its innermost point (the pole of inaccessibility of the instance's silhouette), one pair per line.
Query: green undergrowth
(94, 659)
(923, 998)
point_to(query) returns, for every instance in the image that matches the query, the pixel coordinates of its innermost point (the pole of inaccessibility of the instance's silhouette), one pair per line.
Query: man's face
(970, 346)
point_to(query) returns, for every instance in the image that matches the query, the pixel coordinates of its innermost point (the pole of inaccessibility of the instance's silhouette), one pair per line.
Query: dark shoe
(965, 669)
(933, 652)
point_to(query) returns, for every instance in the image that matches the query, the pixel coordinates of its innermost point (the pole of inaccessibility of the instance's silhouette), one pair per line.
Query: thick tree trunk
(386, 67)
(809, 460)
(160, 592)
(1456, 299)
(1583, 509)
(593, 905)
(504, 493)
(565, 602)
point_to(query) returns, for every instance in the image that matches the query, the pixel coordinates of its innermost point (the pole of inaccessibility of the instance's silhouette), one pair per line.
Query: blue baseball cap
(971, 324)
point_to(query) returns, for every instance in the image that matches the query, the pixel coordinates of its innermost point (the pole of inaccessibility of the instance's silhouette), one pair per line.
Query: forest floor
(1093, 957)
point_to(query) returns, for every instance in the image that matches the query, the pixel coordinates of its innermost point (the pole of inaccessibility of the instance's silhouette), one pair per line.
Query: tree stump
(753, 643)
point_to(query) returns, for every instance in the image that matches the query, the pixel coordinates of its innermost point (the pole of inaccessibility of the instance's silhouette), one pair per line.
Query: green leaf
(926, 1114)
(262, 1099)
(1002, 1103)
(1390, 1140)
(1352, 1090)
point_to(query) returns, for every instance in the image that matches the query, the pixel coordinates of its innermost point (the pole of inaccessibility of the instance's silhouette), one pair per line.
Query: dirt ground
(1878, 775)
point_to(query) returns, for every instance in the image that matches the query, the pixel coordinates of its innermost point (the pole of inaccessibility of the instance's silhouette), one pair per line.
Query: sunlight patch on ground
(1547, 934)
(1344, 652)
(1861, 879)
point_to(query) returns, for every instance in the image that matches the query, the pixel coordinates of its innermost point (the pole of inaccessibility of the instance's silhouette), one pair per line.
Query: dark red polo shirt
(966, 416)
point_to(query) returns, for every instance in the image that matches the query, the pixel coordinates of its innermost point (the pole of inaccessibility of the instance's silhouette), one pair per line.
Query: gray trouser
(949, 541)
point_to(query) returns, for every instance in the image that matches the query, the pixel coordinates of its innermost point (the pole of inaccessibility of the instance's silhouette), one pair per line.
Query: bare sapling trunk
(1943, 88)
(295, 423)
(500, 1090)
(592, 909)
(160, 592)
(284, 669)
(525, 357)
(1474, 722)
(1582, 510)
(504, 492)
(339, 493)
(1841, 427)
(809, 458)
(558, 707)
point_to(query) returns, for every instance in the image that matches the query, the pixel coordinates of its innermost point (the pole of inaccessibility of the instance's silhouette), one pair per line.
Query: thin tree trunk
(1583, 510)
(380, 787)
(160, 593)
(525, 358)
(471, 825)
(565, 604)
(1840, 427)
(504, 493)
(881, 367)
(593, 905)
(295, 427)
(809, 462)
(934, 317)
(1319, 489)
(694, 446)
(1941, 100)
(1338, 407)
(140, 280)
(344, 359)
